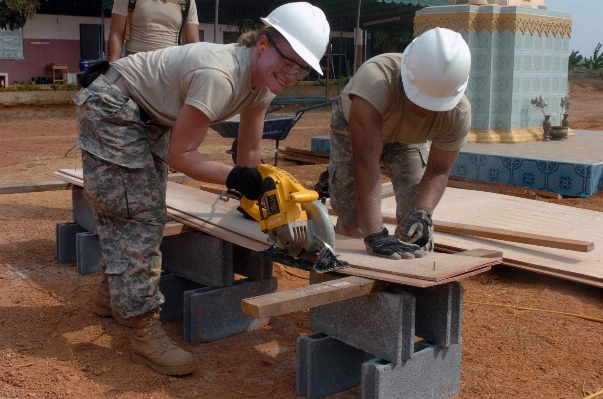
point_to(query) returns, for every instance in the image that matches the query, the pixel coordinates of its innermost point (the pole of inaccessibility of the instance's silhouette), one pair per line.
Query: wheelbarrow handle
(275, 109)
(301, 111)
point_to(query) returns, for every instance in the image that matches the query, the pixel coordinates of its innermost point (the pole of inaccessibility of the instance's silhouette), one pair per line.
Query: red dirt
(52, 346)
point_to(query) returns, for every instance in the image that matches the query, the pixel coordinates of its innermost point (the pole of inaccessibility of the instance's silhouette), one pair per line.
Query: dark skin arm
(435, 179)
(367, 145)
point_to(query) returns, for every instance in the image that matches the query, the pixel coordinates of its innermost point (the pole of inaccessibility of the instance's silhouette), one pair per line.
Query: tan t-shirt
(378, 81)
(215, 78)
(155, 23)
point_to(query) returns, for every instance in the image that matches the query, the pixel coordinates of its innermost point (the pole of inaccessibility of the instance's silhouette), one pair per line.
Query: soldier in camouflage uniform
(410, 113)
(144, 110)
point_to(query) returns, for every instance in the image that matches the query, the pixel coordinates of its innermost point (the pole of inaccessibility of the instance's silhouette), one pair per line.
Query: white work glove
(418, 229)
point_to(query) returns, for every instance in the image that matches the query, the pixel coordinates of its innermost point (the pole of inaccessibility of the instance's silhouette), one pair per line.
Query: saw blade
(322, 227)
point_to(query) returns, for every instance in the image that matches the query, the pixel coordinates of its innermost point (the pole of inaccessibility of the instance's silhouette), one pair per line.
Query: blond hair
(250, 38)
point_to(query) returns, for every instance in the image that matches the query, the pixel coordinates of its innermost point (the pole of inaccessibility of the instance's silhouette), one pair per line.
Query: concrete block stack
(401, 343)
(404, 342)
(198, 275)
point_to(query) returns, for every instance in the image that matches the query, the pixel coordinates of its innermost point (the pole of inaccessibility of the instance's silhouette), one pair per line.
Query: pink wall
(39, 56)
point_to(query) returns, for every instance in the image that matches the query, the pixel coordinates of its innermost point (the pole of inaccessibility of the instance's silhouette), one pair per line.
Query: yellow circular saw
(296, 222)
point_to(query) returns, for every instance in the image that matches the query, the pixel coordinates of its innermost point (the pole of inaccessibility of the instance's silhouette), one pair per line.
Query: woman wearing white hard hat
(408, 111)
(144, 111)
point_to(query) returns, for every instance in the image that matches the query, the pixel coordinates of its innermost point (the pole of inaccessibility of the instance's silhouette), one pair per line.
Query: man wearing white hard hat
(408, 111)
(143, 112)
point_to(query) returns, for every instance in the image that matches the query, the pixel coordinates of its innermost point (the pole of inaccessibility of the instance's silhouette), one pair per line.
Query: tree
(245, 24)
(596, 61)
(574, 60)
(391, 40)
(14, 13)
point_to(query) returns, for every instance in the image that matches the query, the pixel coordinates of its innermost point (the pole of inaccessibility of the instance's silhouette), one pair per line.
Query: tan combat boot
(102, 299)
(152, 347)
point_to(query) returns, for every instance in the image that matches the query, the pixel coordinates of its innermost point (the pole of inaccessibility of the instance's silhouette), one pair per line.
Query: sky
(587, 28)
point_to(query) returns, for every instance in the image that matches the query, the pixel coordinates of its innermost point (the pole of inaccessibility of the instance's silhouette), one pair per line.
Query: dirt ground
(52, 346)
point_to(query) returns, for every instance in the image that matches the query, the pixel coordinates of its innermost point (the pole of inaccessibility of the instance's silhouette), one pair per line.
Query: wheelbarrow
(276, 127)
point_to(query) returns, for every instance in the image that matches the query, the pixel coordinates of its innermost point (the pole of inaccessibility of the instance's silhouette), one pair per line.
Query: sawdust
(52, 346)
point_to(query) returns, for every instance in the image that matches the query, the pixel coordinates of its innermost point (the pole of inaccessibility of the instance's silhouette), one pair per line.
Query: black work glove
(246, 181)
(418, 229)
(322, 187)
(384, 245)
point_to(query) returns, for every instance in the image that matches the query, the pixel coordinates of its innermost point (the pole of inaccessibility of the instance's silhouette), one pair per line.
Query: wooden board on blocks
(434, 267)
(528, 216)
(206, 212)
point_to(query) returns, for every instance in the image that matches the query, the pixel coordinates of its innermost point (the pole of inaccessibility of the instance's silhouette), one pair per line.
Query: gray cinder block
(82, 211)
(439, 313)
(65, 241)
(88, 253)
(434, 372)
(381, 323)
(199, 257)
(214, 313)
(325, 366)
(245, 264)
(173, 287)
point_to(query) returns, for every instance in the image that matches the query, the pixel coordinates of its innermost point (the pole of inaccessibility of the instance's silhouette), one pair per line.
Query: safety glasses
(297, 70)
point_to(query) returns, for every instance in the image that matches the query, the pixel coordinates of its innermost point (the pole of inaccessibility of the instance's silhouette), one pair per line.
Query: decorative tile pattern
(565, 178)
(510, 65)
(567, 167)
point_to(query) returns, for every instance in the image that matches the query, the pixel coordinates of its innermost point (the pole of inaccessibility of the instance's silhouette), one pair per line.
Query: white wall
(65, 27)
(60, 27)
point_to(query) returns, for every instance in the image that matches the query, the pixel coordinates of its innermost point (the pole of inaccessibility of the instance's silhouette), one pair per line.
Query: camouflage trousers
(127, 198)
(405, 164)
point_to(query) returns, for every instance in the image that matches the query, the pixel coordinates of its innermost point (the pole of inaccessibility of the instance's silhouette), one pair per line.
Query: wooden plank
(73, 177)
(433, 267)
(303, 158)
(223, 221)
(505, 235)
(179, 177)
(34, 187)
(69, 175)
(291, 150)
(204, 211)
(481, 253)
(309, 296)
(563, 274)
(212, 189)
(517, 214)
(414, 282)
(174, 228)
(513, 236)
(387, 190)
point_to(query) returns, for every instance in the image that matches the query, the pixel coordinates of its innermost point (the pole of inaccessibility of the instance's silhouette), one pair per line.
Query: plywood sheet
(206, 212)
(433, 267)
(507, 212)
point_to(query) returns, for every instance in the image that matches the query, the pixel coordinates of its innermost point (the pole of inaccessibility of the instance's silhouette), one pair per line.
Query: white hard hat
(435, 69)
(306, 29)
